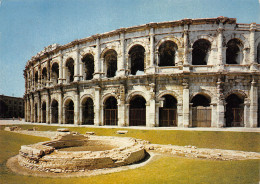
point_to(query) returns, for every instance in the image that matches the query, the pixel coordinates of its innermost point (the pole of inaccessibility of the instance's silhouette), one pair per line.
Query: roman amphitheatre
(141, 99)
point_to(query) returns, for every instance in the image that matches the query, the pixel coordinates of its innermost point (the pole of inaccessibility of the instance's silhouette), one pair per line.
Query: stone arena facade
(186, 73)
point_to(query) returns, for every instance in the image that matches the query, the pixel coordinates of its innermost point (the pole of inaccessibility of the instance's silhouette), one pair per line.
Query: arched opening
(44, 112)
(234, 111)
(258, 113)
(258, 53)
(69, 112)
(70, 70)
(136, 56)
(201, 111)
(137, 111)
(88, 112)
(110, 111)
(167, 53)
(3, 109)
(168, 113)
(200, 52)
(54, 73)
(110, 60)
(54, 111)
(233, 52)
(88, 61)
(36, 79)
(44, 76)
(35, 113)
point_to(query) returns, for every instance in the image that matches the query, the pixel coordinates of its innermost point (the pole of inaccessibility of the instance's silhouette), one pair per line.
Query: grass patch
(164, 169)
(244, 141)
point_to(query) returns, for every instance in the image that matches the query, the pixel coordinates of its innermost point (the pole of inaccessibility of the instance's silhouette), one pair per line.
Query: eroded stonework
(186, 73)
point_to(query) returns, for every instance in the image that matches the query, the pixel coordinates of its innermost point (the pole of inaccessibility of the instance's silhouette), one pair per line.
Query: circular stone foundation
(72, 153)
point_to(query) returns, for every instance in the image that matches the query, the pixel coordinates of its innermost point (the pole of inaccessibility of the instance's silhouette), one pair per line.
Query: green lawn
(164, 169)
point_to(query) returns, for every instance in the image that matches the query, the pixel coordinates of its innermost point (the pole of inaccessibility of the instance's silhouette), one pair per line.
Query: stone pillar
(190, 115)
(213, 115)
(39, 109)
(186, 103)
(253, 105)
(252, 57)
(127, 107)
(186, 47)
(81, 70)
(220, 66)
(81, 114)
(121, 113)
(32, 110)
(97, 60)
(60, 108)
(220, 114)
(76, 109)
(48, 73)
(246, 113)
(97, 104)
(150, 121)
(60, 68)
(121, 59)
(151, 67)
(48, 105)
(179, 115)
(76, 67)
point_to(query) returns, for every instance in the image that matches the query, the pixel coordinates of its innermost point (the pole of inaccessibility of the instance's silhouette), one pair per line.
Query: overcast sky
(27, 26)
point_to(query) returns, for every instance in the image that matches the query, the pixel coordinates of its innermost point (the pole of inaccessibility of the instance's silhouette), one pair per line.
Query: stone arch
(234, 51)
(87, 110)
(88, 61)
(106, 96)
(85, 97)
(168, 92)
(136, 59)
(69, 109)
(234, 111)
(135, 93)
(205, 93)
(88, 51)
(137, 111)
(168, 38)
(240, 37)
(110, 59)
(239, 93)
(110, 115)
(137, 42)
(69, 65)
(168, 110)
(66, 99)
(107, 48)
(54, 110)
(55, 73)
(200, 51)
(205, 37)
(201, 110)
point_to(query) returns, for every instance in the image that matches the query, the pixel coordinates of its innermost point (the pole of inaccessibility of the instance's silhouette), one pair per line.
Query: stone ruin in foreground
(61, 154)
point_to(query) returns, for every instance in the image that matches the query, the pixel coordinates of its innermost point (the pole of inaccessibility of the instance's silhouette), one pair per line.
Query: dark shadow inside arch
(110, 58)
(167, 52)
(44, 76)
(234, 114)
(136, 55)
(137, 111)
(200, 52)
(110, 111)
(54, 111)
(43, 112)
(258, 53)
(54, 73)
(88, 112)
(201, 111)
(35, 112)
(88, 61)
(168, 113)
(69, 112)
(233, 50)
(36, 79)
(70, 68)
